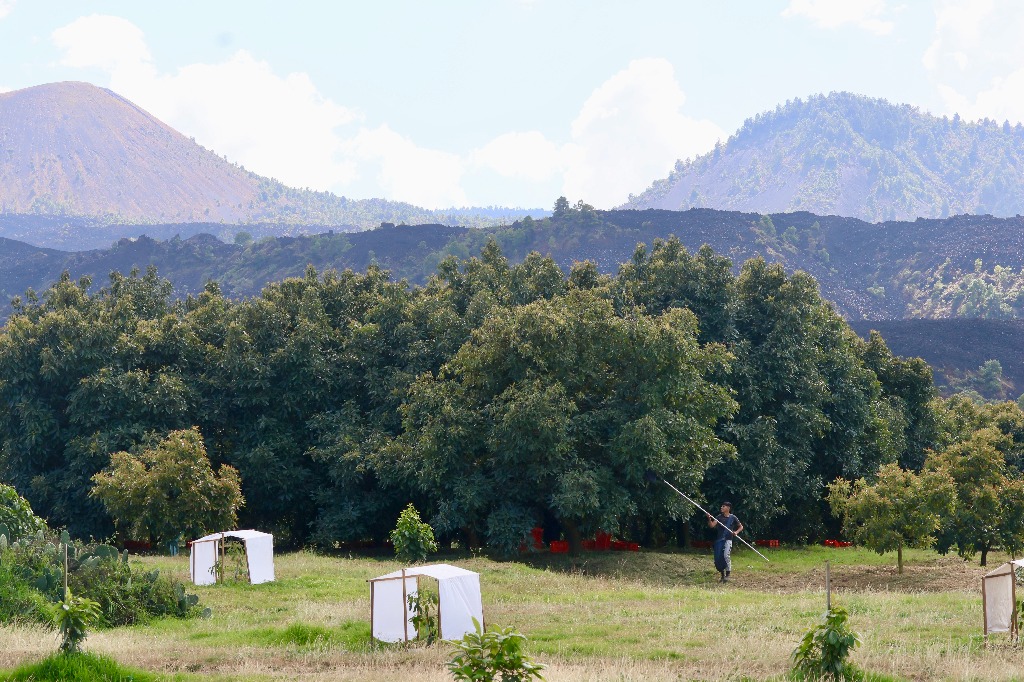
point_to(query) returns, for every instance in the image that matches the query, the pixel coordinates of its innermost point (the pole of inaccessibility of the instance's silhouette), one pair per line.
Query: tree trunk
(899, 558)
(472, 539)
(572, 534)
(984, 555)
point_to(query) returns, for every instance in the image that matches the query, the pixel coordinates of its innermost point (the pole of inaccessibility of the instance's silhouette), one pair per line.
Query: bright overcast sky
(505, 102)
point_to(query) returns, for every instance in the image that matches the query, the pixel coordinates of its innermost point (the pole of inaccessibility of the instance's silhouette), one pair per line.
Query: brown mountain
(74, 149)
(79, 149)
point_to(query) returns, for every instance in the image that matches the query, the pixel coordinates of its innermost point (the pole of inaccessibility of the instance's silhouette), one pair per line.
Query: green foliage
(168, 491)
(494, 396)
(72, 617)
(493, 656)
(413, 539)
(32, 577)
(16, 517)
(901, 509)
(824, 650)
(989, 509)
(423, 606)
(81, 667)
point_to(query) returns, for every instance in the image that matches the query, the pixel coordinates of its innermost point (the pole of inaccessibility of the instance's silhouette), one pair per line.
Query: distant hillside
(848, 155)
(854, 261)
(74, 149)
(960, 267)
(956, 349)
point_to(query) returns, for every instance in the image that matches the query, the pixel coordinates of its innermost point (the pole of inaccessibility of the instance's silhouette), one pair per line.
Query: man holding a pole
(728, 527)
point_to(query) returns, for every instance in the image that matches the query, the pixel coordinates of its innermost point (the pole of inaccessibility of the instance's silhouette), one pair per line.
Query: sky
(506, 102)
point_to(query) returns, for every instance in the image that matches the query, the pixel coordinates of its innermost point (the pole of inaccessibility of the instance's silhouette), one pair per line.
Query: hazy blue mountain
(848, 155)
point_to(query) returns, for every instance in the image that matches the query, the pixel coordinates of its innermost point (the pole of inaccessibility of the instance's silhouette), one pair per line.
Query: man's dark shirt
(730, 522)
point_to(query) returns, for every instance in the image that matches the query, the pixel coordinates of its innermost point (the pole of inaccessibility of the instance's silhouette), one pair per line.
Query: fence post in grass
(828, 588)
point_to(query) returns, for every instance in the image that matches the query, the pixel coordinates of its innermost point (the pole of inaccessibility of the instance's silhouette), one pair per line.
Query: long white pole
(709, 514)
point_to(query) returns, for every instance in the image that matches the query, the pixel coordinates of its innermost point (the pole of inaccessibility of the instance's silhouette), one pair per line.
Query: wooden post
(828, 587)
(405, 608)
(372, 585)
(984, 611)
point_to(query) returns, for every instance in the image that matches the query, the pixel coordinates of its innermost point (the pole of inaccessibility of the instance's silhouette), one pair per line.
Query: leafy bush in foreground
(32, 581)
(493, 655)
(824, 649)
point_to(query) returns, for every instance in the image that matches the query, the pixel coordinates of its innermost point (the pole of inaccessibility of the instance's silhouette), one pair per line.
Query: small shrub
(424, 615)
(413, 539)
(824, 649)
(16, 517)
(493, 655)
(73, 616)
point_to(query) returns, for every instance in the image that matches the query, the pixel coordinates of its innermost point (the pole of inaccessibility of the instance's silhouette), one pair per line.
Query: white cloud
(5, 7)
(529, 156)
(866, 14)
(975, 57)
(630, 131)
(97, 41)
(424, 177)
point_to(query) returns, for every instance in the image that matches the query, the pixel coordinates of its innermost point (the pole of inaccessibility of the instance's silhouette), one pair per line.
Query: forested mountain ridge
(849, 155)
(74, 149)
(959, 267)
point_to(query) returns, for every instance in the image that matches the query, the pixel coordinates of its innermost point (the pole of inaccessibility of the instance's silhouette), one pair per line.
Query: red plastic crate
(766, 543)
(590, 545)
(837, 543)
(602, 540)
(559, 546)
(632, 547)
(538, 537)
(619, 545)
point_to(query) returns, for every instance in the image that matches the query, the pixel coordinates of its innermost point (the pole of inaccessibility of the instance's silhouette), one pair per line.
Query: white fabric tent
(458, 596)
(999, 597)
(259, 554)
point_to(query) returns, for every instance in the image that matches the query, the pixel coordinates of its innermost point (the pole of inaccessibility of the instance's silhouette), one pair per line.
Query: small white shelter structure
(259, 555)
(459, 602)
(999, 599)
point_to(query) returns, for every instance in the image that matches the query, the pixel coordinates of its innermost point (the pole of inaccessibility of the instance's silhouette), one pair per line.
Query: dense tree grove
(496, 397)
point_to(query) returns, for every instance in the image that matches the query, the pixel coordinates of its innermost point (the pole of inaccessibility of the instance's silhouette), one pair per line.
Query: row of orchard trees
(496, 397)
(968, 496)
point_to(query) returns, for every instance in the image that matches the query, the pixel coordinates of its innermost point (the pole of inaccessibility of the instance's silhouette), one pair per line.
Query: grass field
(647, 616)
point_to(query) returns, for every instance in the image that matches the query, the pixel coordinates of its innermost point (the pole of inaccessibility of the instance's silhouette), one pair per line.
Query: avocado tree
(168, 490)
(557, 408)
(900, 509)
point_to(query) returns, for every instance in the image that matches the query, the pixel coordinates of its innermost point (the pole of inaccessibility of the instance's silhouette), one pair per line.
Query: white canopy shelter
(459, 602)
(999, 597)
(259, 555)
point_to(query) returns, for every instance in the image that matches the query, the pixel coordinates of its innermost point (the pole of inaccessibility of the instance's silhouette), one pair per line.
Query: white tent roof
(458, 596)
(999, 594)
(436, 571)
(240, 534)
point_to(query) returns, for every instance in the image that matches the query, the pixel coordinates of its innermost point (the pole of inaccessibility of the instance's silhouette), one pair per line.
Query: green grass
(648, 616)
(84, 667)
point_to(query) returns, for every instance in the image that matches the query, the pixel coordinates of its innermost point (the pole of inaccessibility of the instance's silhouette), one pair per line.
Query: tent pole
(440, 635)
(372, 586)
(984, 610)
(405, 608)
(1014, 634)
